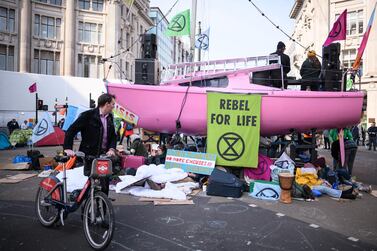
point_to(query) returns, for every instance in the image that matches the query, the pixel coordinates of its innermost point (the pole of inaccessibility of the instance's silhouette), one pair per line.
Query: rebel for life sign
(233, 128)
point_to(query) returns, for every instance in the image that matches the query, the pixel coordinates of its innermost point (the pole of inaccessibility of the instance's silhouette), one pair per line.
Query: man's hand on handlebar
(111, 152)
(69, 152)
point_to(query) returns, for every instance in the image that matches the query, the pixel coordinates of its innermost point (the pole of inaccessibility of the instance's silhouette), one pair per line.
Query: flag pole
(199, 49)
(193, 30)
(36, 107)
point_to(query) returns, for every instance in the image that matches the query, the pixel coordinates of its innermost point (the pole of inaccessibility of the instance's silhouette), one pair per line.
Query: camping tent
(53, 139)
(4, 141)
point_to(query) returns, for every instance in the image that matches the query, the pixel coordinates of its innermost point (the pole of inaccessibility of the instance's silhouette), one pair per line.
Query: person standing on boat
(275, 75)
(310, 71)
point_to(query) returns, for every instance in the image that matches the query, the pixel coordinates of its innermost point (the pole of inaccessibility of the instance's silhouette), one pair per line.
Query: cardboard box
(47, 161)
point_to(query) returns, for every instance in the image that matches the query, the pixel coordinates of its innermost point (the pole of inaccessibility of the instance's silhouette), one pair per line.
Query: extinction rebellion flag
(338, 31)
(179, 25)
(43, 128)
(233, 128)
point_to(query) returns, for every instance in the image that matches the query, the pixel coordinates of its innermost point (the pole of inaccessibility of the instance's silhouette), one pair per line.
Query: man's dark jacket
(275, 75)
(90, 125)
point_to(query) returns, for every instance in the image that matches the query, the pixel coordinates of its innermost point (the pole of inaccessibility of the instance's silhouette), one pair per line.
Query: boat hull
(158, 108)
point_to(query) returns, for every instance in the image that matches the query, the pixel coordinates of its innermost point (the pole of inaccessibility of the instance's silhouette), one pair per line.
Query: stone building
(313, 22)
(71, 37)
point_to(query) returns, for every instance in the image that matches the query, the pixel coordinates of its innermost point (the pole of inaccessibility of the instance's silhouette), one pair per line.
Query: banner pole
(36, 107)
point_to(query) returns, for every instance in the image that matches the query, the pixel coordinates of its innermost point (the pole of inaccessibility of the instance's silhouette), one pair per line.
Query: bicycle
(52, 202)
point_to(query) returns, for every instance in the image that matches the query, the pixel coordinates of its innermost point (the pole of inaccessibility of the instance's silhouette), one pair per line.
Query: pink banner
(363, 44)
(339, 29)
(33, 88)
(341, 146)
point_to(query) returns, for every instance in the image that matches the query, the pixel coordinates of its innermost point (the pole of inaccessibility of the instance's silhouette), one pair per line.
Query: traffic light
(40, 104)
(92, 103)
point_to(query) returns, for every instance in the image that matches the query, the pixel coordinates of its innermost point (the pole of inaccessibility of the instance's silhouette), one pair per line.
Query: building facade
(313, 22)
(72, 37)
(164, 43)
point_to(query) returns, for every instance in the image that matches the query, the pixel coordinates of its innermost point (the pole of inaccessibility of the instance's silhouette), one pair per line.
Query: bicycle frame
(63, 204)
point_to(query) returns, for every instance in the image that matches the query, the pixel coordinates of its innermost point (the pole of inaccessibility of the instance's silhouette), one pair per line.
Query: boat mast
(193, 29)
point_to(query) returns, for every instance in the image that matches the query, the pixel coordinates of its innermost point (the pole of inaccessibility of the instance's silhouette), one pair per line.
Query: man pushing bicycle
(97, 134)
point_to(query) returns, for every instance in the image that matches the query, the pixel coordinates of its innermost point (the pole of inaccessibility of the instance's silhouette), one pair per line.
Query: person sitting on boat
(310, 71)
(275, 75)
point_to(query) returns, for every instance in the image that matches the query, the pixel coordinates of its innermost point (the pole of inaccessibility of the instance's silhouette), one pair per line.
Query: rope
(278, 27)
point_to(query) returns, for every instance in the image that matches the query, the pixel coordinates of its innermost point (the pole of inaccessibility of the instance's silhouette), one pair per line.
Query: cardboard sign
(233, 128)
(201, 163)
(125, 114)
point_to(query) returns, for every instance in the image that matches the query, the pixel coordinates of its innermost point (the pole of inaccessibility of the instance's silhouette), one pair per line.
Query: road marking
(252, 205)
(280, 214)
(313, 226)
(353, 239)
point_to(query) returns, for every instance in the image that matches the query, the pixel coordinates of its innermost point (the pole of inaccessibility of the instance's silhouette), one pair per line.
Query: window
(46, 62)
(90, 33)
(84, 4)
(55, 2)
(47, 27)
(99, 33)
(97, 5)
(89, 66)
(6, 58)
(355, 22)
(220, 82)
(7, 17)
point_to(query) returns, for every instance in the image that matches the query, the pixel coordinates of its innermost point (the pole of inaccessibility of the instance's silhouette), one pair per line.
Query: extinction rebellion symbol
(336, 30)
(42, 128)
(178, 23)
(230, 146)
(203, 41)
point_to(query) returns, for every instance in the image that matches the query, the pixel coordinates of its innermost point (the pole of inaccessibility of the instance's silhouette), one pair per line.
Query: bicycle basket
(101, 168)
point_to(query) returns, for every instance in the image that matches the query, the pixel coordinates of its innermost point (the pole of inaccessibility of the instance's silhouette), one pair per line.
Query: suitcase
(132, 161)
(224, 184)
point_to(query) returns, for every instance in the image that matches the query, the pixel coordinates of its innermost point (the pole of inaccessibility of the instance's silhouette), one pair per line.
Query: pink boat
(158, 107)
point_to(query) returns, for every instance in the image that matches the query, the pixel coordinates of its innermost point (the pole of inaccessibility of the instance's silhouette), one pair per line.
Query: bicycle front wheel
(47, 214)
(99, 230)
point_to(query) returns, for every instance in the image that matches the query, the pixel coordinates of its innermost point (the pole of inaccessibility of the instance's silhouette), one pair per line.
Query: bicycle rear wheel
(47, 214)
(99, 231)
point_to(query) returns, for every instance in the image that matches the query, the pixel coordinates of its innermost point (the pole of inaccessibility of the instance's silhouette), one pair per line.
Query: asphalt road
(212, 223)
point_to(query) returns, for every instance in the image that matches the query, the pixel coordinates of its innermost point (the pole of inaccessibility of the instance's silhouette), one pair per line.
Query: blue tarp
(4, 141)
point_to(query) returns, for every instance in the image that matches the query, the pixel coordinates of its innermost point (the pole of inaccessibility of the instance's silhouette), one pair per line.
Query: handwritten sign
(125, 114)
(202, 163)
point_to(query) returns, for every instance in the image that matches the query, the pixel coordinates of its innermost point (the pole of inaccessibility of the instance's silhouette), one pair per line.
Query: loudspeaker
(147, 72)
(149, 46)
(331, 73)
(330, 56)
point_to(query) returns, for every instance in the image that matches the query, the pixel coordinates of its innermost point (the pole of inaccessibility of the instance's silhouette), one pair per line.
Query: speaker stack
(147, 68)
(331, 73)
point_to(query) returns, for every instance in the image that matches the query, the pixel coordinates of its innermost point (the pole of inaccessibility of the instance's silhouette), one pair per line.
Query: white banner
(43, 128)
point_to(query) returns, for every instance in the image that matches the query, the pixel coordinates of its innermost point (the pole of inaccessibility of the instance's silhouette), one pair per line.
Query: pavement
(212, 223)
